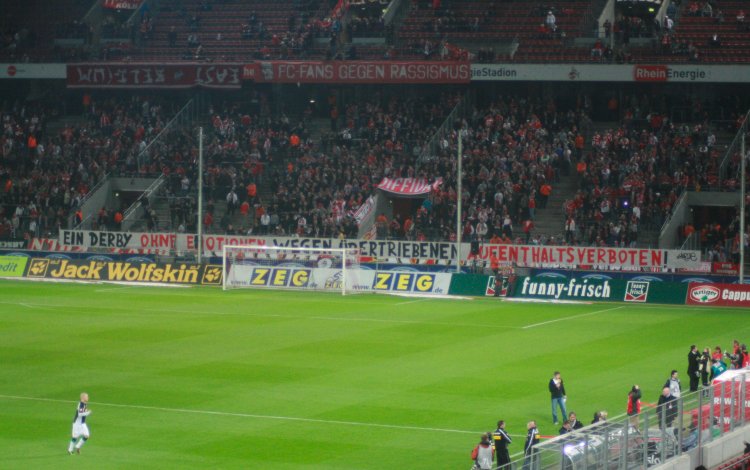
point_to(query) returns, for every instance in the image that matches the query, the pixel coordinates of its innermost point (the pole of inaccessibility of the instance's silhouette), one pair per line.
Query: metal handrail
(429, 150)
(166, 128)
(88, 195)
(730, 150)
(146, 194)
(678, 205)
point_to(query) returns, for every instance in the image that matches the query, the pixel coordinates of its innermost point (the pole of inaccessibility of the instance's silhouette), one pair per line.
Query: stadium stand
(38, 30)
(235, 31)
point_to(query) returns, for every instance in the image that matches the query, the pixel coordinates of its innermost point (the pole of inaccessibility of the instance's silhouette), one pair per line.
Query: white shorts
(80, 429)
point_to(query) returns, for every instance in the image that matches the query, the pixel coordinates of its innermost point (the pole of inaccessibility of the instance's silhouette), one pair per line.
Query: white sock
(81, 442)
(72, 443)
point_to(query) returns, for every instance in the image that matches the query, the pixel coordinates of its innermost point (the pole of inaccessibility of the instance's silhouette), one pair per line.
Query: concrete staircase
(550, 221)
(163, 217)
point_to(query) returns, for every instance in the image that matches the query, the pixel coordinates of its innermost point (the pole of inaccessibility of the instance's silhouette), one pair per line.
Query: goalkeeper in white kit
(80, 428)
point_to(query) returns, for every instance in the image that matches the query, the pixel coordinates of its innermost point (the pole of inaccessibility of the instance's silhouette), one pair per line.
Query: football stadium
(374, 234)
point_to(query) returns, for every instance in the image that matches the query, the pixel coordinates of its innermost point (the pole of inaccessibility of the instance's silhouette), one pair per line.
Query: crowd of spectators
(516, 150)
(317, 191)
(46, 176)
(40, 180)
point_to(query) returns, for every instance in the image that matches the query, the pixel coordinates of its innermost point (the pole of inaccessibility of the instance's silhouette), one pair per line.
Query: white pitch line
(248, 415)
(571, 317)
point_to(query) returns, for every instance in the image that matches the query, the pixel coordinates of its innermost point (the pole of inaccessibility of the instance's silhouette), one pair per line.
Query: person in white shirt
(80, 429)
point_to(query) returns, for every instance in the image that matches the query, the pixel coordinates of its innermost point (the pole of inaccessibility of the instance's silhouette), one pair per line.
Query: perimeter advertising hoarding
(718, 295)
(360, 280)
(119, 271)
(599, 289)
(12, 266)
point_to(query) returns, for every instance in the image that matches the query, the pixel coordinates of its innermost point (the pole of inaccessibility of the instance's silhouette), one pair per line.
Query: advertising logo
(335, 281)
(211, 275)
(490, 290)
(280, 277)
(404, 282)
(704, 294)
(11, 266)
(38, 267)
(650, 73)
(636, 291)
(571, 289)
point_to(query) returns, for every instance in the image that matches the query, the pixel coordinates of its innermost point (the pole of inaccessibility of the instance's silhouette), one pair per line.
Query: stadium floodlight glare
(295, 268)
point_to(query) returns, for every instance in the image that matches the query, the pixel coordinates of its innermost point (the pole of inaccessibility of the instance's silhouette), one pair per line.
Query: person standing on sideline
(634, 404)
(704, 366)
(666, 409)
(483, 453)
(694, 358)
(502, 439)
(532, 439)
(673, 383)
(80, 428)
(558, 396)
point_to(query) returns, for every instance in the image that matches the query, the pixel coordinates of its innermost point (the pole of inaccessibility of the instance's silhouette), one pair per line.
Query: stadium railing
(732, 150)
(650, 438)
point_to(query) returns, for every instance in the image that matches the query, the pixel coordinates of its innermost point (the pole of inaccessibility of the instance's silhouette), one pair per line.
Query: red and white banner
(364, 211)
(154, 75)
(409, 186)
(719, 295)
(122, 4)
(408, 251)
(731, 269)
(357, 71)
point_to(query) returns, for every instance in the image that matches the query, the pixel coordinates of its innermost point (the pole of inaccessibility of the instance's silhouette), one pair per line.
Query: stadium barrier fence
(653, 437)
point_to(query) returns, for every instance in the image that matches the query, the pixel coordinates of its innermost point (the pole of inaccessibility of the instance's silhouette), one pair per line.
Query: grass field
(200, 378)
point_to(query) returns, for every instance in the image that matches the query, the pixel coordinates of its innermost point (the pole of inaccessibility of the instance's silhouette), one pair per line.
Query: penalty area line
(248, 415)
(572, 317)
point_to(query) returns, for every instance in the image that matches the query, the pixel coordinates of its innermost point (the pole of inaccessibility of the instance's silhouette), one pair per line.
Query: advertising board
(12, 266)
(122, 271)
(720, 295)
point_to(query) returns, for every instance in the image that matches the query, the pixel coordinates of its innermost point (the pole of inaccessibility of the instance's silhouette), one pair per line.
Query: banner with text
(357, 72)
(403, 251)
(119, 271)
(150, 75)
(327, 279)
(593, 289)
(690, 73)
(718, 295)
(409, 186)
(12, 266)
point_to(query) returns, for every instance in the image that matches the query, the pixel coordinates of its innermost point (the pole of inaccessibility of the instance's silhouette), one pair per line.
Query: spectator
(666, 408)
(558, 396)
(693, 370)
(634, 404)
(673, 383)
(483, 454)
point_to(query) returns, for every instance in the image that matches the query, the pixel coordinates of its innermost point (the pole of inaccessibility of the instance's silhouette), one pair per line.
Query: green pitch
(200, 378)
